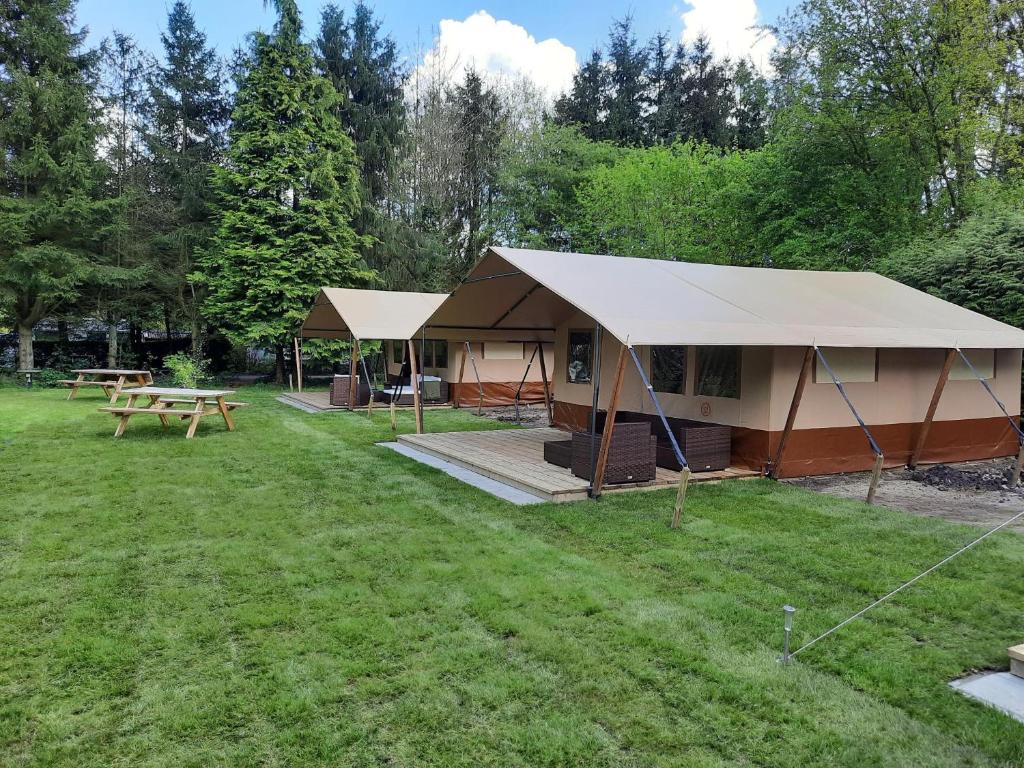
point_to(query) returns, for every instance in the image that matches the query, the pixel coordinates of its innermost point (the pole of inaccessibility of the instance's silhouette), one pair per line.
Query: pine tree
(626, 103)
(583, 106)
(49, 211)
(363, 66)
(750, 113)
(187, 116)
(287, 196)
(115, 289)
(705, 100)
(481, 127)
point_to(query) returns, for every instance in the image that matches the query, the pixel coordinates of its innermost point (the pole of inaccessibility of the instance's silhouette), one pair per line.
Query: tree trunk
(112, 344)
(279, 368)
(167, 323)
(197, 338)
(26, 353)
(62, 333)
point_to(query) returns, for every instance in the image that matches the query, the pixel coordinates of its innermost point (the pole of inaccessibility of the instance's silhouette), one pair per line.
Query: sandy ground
(970, 492)
(531, 415)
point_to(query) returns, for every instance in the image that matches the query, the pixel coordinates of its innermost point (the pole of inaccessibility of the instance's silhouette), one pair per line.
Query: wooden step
(1016, 660)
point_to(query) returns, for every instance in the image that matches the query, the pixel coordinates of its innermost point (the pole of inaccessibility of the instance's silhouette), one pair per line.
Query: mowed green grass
(292, 594)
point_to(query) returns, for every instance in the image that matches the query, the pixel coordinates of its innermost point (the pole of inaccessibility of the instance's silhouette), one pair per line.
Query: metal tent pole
(595, 385)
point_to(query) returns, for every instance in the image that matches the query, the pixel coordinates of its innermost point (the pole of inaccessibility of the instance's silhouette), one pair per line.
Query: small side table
(28, 373)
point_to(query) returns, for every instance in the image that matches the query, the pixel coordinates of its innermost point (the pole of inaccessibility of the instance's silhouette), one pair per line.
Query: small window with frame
(579, 357)
(668, 369)
(426, 349)
(440, 353)
(397, 352)
(718, 372)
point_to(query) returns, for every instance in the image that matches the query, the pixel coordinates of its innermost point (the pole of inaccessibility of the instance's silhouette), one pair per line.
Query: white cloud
(502, 49)
(729, 26)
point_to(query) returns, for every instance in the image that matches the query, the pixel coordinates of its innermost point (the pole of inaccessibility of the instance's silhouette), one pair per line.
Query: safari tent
(473, 366)
(813, 372)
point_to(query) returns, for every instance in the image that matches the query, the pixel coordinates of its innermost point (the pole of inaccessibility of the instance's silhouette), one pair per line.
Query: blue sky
(578, 25)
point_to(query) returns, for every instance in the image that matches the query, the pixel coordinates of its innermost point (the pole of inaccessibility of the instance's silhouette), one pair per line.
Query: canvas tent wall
(398, 316)
(769, 318)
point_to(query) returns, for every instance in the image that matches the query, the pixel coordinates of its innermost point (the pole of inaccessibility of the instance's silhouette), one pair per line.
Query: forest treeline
(177, 189)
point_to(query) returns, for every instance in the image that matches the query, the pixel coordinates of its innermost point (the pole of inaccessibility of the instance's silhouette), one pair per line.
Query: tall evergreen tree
(364, 68)
(750, 112)
(481, 124)
(188, 113)
(705, 97)
(363, 65)
(583, 105)
(49, 207)
(626, 103)
(112, 292)
(288, 194)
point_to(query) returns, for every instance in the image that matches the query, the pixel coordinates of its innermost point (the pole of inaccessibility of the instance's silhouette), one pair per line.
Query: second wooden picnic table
(163, 399)
(111, 380)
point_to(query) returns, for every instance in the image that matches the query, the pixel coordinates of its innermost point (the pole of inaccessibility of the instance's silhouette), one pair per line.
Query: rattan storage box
(632, 456)
(340, 386)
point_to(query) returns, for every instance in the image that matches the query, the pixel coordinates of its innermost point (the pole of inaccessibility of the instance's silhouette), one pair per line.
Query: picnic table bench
(162, 402)
(111, 380)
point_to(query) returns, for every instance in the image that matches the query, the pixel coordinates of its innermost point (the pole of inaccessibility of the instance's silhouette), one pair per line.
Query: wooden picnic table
(111, 380)
(162, 402)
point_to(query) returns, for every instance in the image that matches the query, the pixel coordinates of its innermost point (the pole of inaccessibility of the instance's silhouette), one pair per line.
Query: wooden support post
(876, 475)
(353, 375)
(462, 373)
(794, 406)
(394, 416)
(544, 379)
(684, 482)
(479, 384)
(415, 382)
(926, 425)
(1015, 476)
(609, 424)
(298, 363)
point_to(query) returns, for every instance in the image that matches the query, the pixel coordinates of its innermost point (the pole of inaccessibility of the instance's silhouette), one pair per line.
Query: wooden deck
(516, 457)
(321, 401)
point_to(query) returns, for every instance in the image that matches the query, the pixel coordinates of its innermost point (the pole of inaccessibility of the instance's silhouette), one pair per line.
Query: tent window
(427, 347)
(440, 353)
(718, 371)
(983, 360)
(668, 369)
(579, 357)
(397, 352)
(851, 365)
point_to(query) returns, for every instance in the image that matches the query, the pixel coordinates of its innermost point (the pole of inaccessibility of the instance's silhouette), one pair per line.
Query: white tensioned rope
(900, 588)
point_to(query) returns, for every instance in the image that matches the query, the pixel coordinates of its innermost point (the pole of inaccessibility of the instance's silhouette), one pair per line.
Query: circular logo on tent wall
(705, 409)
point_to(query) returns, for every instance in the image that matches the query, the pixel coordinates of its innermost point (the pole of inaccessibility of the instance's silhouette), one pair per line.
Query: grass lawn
(292, 594)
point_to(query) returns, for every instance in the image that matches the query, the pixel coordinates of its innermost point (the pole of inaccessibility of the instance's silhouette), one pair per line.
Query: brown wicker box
(558, 452)
(632, 455)
(340, 387)
(706, 446)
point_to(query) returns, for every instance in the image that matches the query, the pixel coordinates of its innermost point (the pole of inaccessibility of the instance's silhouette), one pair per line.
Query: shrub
(185, 370)
(47, 377)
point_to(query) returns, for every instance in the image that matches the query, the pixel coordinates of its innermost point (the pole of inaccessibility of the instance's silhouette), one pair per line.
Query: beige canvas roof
(369, 315)
(651, 302)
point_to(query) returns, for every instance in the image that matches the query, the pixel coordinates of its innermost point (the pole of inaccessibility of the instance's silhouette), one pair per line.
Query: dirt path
(970, 492)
